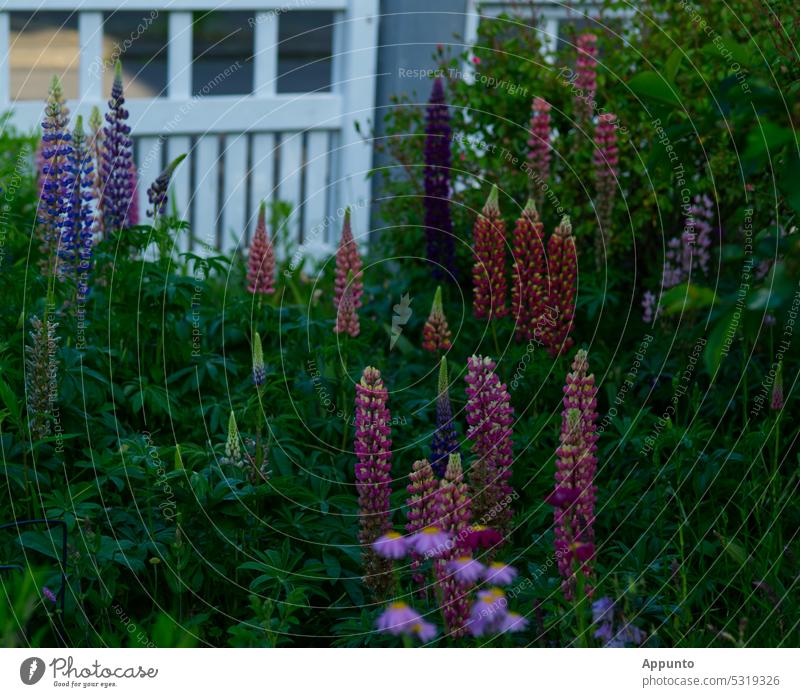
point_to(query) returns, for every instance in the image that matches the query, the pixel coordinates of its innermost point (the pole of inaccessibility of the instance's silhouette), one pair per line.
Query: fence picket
(235, 192)
(204, 216)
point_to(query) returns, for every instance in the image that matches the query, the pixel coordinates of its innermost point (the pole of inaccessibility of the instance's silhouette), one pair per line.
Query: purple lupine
(420, 507)
(373, 450)
(575, 491)
(454, 512)
(438, 221)
(649, 307)
(445, 438)
(490, 417)
(41, 373)
(55, 179)
(612, 629)
(77, 242)
(690, 252)
(585, 77)
(606, 159)
(539, 147)
(157, 193)
(116, 166)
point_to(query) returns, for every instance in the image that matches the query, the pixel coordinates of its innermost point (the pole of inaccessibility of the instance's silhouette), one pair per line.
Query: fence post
(355, 65)
(5, 61)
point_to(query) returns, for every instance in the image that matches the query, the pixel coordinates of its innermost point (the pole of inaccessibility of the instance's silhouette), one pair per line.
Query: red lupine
(490, 417)
(261, 262)
(528, 275)
(436, 333)
(563, 276)
(575, 491)
(489, 270)
(348, 267)
(373, 450)
(539, 144)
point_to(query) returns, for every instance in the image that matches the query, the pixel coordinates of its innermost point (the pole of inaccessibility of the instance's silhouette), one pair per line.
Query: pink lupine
(563, 277)
(585, 77)
(348, 267)
(575, 490)
(420, 506)
(373, 450)
(539, 146)
(261, 261)
(453, 512)
(490, 417)
(528, 274)
(347, 321)
(776, 398)
(489, 270)
(606, 160)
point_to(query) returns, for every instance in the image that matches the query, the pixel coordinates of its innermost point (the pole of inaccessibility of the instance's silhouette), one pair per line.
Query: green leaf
(686, 297)
(718, 342)
(649, 85)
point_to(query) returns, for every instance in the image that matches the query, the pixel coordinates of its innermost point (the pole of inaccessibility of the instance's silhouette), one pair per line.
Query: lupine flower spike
(539, 147)
(529, 276)
(54, 183)
(373, 450)
(116, 166)
(612, 629)
(261, 261)
(489, 270)
(157, 193)
(347, 321)
(96, 148)
(348, 267)
(438, 221)
(585, 77)
(233, 446)
(259, 370)
(490, 417)
(606, 159)
(563, 275)
(420, 506)
(436, 333)
(453, 512)
(445, 439)
(41, 371)
(776, 399)
(575, 491)
(78, 238)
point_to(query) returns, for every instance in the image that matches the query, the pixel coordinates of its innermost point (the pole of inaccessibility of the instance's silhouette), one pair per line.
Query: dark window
(305, 51)
(223, 53)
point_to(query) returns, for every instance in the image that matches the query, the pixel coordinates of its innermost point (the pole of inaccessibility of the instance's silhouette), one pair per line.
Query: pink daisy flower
(513, 622)
(431, 541)
(488, 612)
(466, 569)
(500, 574)
(392, 545)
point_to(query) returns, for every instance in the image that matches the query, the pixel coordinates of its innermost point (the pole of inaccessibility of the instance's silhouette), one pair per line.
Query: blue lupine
(445, 438)
(117, 161)
(55, 184)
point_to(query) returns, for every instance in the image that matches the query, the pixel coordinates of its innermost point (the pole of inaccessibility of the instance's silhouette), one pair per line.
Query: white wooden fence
(298, 148)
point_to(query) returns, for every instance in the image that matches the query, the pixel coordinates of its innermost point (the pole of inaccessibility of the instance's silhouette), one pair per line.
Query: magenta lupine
(116, 166)
(453, 512)
(776, 398)
(436, 332)
(563, 277)
(373, 450)
(489, 270)
(528, 275)
(575, 491)
(490, 417)
(539, 147)
(438, 221)
(261, 260)
(420, 506)
(585, 77)
(348, 267)
(606, 160)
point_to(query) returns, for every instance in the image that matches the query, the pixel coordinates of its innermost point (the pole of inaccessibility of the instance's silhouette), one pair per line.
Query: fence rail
(300, 148)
